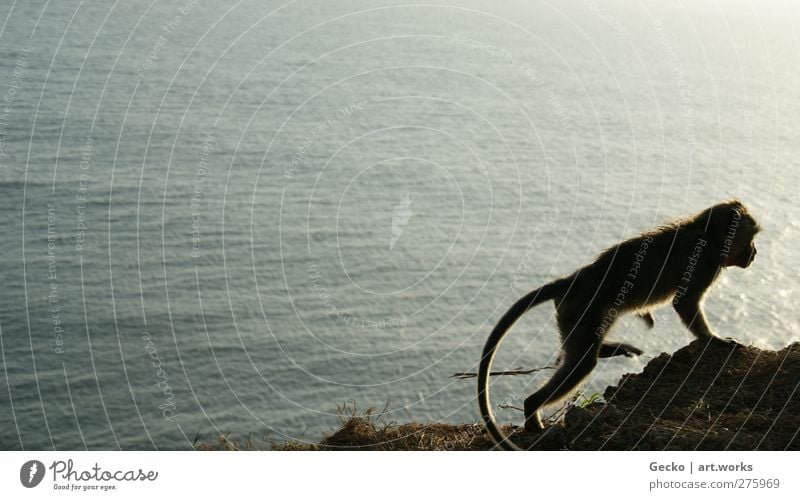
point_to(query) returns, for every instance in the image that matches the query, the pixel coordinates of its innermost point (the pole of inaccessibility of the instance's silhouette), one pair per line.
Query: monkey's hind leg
(564, 380)
(581, 348)
(610, 349)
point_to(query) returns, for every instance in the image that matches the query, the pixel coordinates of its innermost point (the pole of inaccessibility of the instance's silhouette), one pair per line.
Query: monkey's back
(644, 270)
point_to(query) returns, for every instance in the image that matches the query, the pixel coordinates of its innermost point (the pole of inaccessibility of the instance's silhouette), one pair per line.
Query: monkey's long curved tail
(548, 292)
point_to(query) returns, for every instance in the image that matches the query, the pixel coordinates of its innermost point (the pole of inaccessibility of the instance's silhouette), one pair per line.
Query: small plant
(581, 401)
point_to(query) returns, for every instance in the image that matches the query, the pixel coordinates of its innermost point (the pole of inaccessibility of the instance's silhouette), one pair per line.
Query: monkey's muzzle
(751, 256)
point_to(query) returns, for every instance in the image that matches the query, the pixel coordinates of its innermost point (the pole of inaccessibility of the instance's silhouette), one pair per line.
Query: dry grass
(705, 397)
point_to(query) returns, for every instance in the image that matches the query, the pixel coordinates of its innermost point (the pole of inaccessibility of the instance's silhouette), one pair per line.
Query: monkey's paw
(534, 424)
(631, 351)
(725, 341)
(532, 429)
(618, 349)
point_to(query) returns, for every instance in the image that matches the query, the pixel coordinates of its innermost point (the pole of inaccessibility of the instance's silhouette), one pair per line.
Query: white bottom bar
(349, 475)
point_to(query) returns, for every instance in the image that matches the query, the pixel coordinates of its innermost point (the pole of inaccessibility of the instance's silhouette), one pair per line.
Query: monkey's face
(743, 249)
(745, 256)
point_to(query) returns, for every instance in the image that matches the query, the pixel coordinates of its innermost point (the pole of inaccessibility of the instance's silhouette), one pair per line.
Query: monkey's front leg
(691, 313)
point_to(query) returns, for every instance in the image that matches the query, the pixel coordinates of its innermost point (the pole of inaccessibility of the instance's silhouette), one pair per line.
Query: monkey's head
(734, 229)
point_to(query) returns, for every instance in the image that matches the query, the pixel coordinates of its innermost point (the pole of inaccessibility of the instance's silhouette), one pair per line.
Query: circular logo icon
(31, 473)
